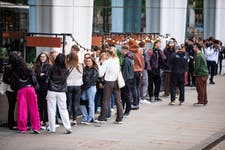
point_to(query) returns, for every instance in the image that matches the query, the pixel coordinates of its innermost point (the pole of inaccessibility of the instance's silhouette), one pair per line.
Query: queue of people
(59, 86)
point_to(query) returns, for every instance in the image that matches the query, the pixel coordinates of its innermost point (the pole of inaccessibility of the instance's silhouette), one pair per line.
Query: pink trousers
(27, 100)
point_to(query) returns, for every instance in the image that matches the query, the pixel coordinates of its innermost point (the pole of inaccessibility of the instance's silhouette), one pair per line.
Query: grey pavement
(220, 146)
(156, 126)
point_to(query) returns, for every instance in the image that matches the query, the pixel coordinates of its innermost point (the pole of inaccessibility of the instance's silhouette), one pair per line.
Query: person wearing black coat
(128, 76)
(41, 69)
(23, 82)
(90, 77)
(179, 66)
(56, 96)
(156, 60)
(11, 95)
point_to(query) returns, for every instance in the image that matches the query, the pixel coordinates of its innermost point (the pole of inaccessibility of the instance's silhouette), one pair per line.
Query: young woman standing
(56, 95)
(41, 69)
(74, 82)
(90, 77)
(23, 82)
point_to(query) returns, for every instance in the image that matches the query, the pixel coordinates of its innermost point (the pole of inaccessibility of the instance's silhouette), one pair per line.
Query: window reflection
(195, 26)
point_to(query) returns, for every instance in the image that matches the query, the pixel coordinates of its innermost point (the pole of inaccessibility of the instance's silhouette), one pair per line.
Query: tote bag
(120, 80)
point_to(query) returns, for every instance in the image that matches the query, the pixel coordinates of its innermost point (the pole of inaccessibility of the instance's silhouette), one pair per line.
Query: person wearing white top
(212, 55)
(74, 83)
(110, 70)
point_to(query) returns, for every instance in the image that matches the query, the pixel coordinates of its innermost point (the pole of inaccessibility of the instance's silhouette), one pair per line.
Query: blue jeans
(135, 88)
(89, 95)
(144, 84)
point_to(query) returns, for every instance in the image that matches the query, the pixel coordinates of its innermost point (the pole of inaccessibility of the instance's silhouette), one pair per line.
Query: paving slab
(154, 126)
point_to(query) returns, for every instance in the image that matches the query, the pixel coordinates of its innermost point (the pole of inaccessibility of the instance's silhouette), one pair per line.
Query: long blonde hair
(112, 52)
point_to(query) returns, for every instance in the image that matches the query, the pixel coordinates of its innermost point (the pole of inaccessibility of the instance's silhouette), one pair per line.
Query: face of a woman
(158, 45)
(104, 58)
(89, 62)
(43, 58)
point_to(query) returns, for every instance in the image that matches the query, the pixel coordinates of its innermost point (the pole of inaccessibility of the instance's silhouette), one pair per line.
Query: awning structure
(33, 41)
(11, 5)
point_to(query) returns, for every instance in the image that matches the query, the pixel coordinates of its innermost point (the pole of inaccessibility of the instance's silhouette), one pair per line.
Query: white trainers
(172, 103)
(85, 122)
(118, 122)
(68, 131)
(49, 131)
(143, 101)
(43, 127)
(99, 121)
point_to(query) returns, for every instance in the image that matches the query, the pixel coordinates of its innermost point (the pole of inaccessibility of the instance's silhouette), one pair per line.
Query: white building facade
(63, 16)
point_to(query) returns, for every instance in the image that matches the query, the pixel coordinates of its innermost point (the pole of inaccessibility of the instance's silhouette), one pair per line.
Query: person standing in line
(110, 70)
(178, 64)
(221, 57)
(168, 51)
(144, 77)
(23, 82)
(74, 83)
(100, 85)
(90, 77)
(52, 55)
(56, 95)
(156, 60)
(41, 70)
(190, 51)
(212, 55)
(138, 70)
(11, 95)
(128, 75)
(201, 74)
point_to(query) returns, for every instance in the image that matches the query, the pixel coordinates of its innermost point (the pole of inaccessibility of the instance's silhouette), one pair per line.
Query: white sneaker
(118, 122)
(143, 101)
(172, 103)
(68, 131)
(85, 122)
(57, 125)
(49, 131)
(99, 121)
(43, 127)
(98, 110)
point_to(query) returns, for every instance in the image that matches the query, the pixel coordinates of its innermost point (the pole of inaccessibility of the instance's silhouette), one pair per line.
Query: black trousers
(212, 68)
(73, 100)
(154, 80)
(125, 95)
(177, 80)
(42, 105)
(191, 77)
(12, 103)
(220, 65)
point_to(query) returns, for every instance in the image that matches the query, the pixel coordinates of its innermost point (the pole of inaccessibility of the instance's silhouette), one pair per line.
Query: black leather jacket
(90, 77)
(57, 82)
